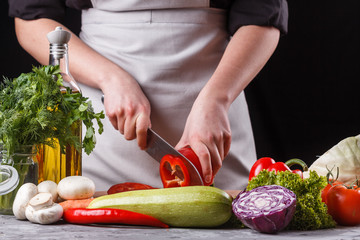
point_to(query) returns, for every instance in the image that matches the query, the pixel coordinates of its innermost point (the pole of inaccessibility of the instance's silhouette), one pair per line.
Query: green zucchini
(193, 206)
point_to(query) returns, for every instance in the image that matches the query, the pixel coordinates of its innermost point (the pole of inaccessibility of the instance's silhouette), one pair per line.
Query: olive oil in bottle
(54, 165)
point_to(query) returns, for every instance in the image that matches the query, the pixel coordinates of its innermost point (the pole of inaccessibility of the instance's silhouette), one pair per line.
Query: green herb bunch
(34, 111)
(311, 212)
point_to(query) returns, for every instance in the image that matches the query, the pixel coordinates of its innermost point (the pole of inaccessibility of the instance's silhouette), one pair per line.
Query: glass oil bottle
(54, 165)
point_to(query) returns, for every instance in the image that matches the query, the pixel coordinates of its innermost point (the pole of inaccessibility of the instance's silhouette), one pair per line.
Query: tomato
(343, 204)
(128, 186)
(326, 189)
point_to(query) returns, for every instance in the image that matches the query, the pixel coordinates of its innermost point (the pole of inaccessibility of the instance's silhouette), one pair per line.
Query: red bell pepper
(110, 216)
(173, 171)
(270, 165)
(128, 186)
(191, 155)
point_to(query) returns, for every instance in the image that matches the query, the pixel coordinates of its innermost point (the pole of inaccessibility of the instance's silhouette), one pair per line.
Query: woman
(168, 65)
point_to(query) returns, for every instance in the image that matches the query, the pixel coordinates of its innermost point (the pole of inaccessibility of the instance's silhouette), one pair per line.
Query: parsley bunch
(34, 111)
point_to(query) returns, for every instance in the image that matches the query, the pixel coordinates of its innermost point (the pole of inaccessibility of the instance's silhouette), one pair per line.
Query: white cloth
(172, 53)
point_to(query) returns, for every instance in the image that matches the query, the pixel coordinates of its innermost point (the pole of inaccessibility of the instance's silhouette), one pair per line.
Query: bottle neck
(59, 56)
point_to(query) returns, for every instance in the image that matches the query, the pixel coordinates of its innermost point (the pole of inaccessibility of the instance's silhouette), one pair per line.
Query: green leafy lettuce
(311, 212)
(33, 111)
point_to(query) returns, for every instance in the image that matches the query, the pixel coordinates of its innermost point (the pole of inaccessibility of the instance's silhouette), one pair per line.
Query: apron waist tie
(212, 16)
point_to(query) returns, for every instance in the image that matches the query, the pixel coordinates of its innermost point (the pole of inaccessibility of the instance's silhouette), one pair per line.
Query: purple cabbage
(267, 209)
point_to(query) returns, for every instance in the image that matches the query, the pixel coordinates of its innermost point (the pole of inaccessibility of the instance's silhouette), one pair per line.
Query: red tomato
(326, 189)
(127, 186)
(343, 205)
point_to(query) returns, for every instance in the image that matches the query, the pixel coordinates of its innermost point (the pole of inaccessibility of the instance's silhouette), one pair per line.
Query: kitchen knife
(157, 148)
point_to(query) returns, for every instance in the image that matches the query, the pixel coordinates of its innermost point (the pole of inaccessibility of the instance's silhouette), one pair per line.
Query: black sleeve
(35, 9)
(53, 9)
(258, 12)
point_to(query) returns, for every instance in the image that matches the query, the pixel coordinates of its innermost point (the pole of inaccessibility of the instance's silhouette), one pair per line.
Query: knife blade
(157, 148)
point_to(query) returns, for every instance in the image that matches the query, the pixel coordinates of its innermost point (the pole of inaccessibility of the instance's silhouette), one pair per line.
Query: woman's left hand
(207, 129)
(207, 132)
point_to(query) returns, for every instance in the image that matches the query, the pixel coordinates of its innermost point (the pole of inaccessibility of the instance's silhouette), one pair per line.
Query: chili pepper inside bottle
(54, 165)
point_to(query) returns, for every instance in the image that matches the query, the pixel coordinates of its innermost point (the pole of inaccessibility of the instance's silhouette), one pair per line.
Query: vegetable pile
(266, 209)
(48, 202)
(311, 212)
(34, 111)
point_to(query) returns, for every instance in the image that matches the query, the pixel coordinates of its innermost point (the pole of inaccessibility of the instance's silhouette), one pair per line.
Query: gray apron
(171, 48)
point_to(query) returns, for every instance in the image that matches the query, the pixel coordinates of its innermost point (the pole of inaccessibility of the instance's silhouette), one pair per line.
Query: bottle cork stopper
(59, 36)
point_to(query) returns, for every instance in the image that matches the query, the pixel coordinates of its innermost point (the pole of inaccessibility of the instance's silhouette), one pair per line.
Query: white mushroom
(49, 187)
(41, 209)
(76, 187)
(22, 198)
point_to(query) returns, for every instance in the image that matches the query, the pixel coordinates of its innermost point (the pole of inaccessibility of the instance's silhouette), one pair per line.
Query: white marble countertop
(12, 229)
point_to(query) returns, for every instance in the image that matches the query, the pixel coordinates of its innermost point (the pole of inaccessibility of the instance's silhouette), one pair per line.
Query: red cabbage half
(267, 209)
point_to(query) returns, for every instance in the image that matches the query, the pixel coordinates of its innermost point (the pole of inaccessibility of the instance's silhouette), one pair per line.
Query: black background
(303, 102)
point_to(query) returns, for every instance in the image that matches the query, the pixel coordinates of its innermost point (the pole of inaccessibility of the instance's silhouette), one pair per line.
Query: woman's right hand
(127, 107)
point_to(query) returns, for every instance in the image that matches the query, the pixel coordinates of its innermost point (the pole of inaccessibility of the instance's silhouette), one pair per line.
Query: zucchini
(192, 206)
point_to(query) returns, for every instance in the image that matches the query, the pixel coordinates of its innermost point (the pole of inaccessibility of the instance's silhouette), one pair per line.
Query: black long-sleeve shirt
(240, 12)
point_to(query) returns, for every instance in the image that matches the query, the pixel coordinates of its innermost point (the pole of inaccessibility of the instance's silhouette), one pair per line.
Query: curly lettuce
(311, 212)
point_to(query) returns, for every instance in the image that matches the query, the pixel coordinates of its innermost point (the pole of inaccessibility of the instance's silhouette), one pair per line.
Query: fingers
(203, 154)
(142, 125)
(131, 121)
(211, 152)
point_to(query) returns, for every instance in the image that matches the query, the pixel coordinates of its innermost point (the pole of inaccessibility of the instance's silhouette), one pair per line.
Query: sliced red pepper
(110, 216)
(173, 172)
(270, 165)
(128, 186)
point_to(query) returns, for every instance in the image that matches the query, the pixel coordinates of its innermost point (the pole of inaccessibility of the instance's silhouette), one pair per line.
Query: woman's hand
(127, 107)
(125, 104)
(207, 128)
(207, 131)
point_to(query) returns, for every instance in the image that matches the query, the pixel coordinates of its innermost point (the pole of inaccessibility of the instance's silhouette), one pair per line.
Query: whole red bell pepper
(270, 165)
(110, 216)
(173, 171)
